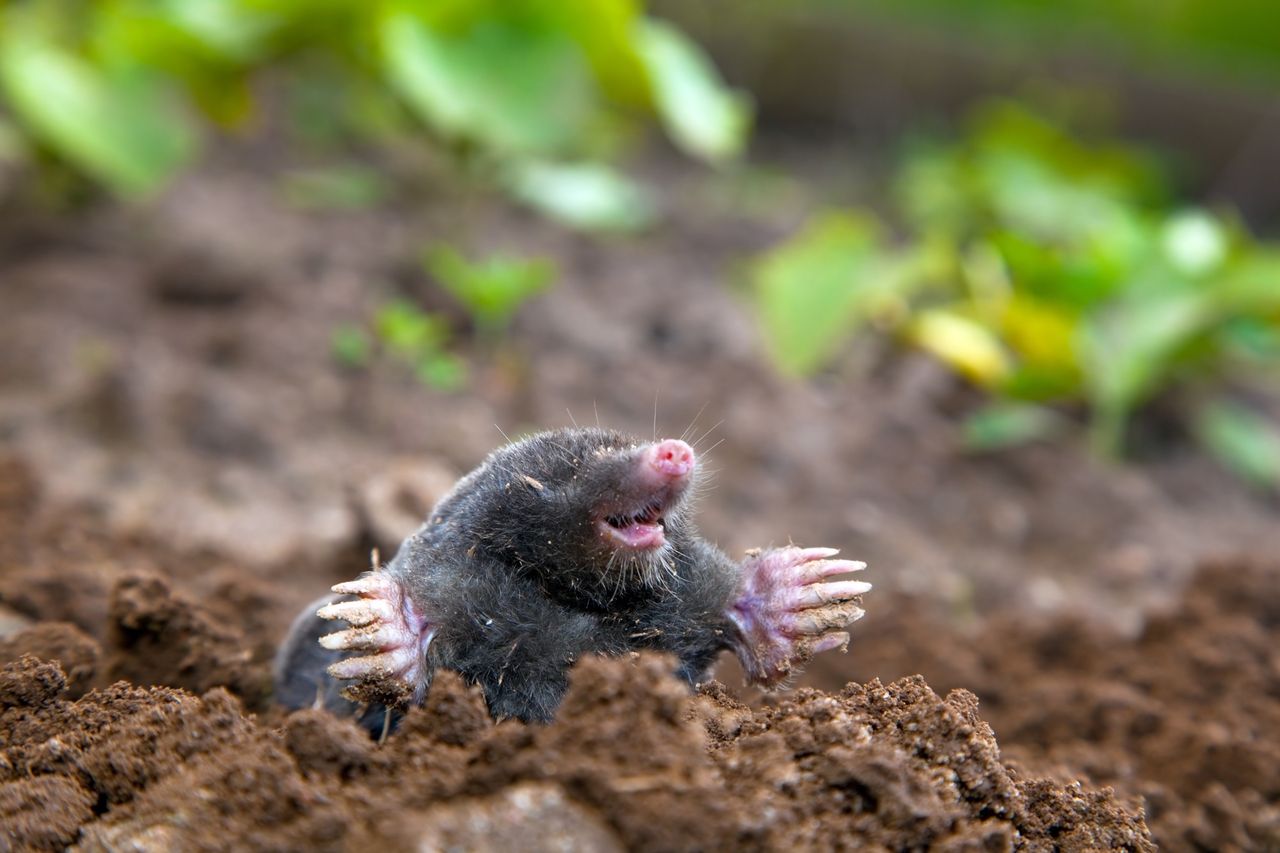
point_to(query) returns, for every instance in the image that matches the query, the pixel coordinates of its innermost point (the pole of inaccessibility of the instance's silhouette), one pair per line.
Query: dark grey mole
(563, 544)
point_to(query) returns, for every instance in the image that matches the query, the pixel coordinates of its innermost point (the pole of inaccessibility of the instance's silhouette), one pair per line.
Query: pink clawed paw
(787, 611)
(384, 623)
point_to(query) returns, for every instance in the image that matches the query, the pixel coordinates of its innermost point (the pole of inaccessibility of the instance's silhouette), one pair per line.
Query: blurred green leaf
(588, 196)
(419, 339)
(1128, 347)
(341, 187)
(120, 129)
(11, 147)
(351, 346)
(516, 90)
(492, 290)
(442, 370)
(1194, 242)
(824, 283)
(606, 31)
(1243, 441)
(404, 327)
(1252, 284)
(1000, 425)
(234, 29)
(704, 118)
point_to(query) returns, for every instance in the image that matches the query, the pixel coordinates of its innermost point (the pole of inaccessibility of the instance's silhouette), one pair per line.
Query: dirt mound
(1181, 720)
(1185, 716)
(158, 637)
(634, 762)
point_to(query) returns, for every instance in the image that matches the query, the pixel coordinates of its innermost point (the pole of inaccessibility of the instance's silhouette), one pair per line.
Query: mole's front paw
(786, 611)
(382, 621)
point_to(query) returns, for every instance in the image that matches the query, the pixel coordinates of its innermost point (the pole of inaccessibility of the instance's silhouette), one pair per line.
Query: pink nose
(672, 457)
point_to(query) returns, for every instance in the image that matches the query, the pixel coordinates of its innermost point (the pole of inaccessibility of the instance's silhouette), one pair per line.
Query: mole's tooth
(370, 637)
(385, 664)
(826, 593)
(376, 583)
(364, 611)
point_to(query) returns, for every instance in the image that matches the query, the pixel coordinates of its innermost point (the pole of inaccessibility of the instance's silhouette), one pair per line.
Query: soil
(185, 465)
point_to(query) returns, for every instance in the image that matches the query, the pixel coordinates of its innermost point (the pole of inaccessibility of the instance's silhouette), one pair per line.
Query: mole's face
(636, 491)
(592, 502)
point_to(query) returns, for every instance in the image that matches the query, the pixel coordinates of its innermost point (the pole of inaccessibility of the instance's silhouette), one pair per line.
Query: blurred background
(986, 294)
(947, 288)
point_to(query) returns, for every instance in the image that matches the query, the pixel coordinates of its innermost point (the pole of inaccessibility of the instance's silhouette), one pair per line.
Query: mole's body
(563, 544)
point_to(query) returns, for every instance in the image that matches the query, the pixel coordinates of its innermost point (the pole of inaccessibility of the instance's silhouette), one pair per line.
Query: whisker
(655, 414)
(700, 438)
(694, 422)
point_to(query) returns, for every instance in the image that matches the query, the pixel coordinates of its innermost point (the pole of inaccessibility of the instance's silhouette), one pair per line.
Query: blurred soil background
(188, 458)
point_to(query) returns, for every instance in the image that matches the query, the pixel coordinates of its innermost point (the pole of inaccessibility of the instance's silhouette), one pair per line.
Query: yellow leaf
(1041, 334)
(965, 345)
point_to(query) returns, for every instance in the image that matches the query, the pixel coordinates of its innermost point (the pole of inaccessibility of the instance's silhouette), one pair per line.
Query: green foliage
(1055, 272)
(1247, 444)
(113, 87)
(116, 124)
(337, 188)
(420, 340)
(1234, 37)
(703, 118)
(491, 290)
(351, 346)
(586, 196)
(1008, 424)
(830, 279)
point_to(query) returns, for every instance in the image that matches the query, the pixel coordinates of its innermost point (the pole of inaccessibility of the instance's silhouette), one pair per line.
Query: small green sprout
(409, 335)
(491, 290)
(351, 346)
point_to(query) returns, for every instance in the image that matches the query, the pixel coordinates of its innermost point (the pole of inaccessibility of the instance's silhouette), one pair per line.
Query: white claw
(376, 583)
(834, 640)
(826, 593)
(364, 611)
(370, 637)
(808, 554)
(373, 666)
(818, 569)
(823, 619)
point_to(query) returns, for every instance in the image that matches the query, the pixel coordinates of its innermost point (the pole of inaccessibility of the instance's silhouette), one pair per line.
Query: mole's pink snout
(671, 458)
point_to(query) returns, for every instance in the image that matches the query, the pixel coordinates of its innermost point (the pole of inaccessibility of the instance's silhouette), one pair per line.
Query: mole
(566, 543)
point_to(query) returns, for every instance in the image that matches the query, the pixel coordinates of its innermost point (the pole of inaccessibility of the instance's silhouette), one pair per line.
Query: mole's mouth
(655, 478)
(642, 530)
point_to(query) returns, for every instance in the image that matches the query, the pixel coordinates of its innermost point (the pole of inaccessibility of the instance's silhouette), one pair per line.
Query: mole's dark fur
(563, 544)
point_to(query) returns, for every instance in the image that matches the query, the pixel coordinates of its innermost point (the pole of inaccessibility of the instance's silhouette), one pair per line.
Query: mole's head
(589, 507)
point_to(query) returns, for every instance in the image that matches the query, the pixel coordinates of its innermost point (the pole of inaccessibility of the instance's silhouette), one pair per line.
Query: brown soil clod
(75, 652)
(159, 637)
